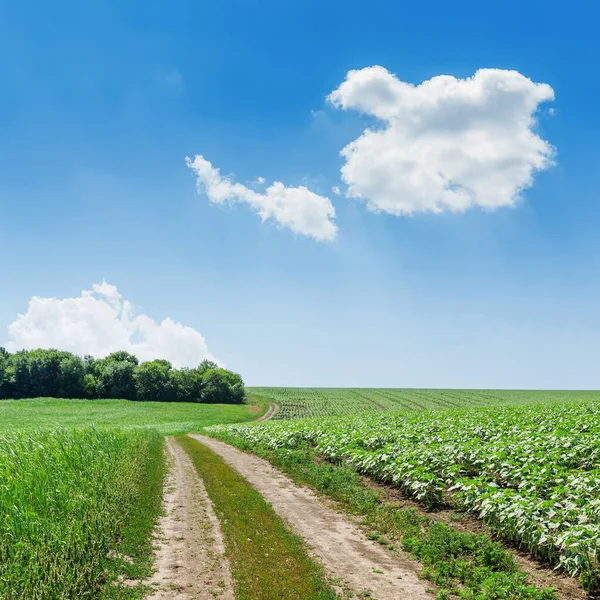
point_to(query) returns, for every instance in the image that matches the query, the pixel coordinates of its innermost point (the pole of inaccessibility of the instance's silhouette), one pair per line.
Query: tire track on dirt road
(190, 562)
(359, 564)
(270, 414)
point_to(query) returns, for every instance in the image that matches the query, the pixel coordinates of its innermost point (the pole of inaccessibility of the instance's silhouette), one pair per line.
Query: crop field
(64, 501)
(531, 472)
(321, 402)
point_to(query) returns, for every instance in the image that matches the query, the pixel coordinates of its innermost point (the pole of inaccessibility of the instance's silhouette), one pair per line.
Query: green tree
(90, 386)
(237, 391)
(121, 356)
(21, 374)
(54, 373)
(71, 375)
(187, 385)
(44, 370)
(91, 368)
(114, 375)
(153, 381)
(5, 374)
(222, 386)
(34, 373)
(115, 379)
(207, 365)
(90, 364)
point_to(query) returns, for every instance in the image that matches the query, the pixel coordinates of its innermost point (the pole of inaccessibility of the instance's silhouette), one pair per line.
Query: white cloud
(336, 190)
(101, 321)
(298, 208)
(446, 144)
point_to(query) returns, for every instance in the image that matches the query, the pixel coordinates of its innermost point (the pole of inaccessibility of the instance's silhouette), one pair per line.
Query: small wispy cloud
(296, 208)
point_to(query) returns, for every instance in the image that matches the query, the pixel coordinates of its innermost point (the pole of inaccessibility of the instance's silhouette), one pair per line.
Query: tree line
(59, 374)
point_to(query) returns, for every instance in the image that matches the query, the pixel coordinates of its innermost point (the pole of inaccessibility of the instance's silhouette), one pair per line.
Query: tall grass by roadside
(66, 499)
(267, 561)
(132, 560)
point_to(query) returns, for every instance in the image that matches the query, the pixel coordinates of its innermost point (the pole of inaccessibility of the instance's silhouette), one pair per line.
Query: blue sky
(100, 103)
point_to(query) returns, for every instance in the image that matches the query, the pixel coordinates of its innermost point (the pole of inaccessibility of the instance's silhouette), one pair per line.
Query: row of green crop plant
(60, 374)
(319, 402)
(531, 472)
(297, 403)
(65, 499)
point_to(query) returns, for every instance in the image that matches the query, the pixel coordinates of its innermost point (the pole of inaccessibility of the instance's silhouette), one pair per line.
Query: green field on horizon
(296, 402)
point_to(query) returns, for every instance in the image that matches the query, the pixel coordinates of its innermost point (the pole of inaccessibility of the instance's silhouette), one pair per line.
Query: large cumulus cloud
(447, 144)
(101, 321)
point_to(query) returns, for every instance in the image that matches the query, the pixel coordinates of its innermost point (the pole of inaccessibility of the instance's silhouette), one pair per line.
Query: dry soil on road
(190, 562)
(270, 414)
(357, 564)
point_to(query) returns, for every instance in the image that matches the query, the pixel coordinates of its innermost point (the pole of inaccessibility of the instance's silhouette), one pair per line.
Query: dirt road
(359, 564)
(190, 562)
(270, 414)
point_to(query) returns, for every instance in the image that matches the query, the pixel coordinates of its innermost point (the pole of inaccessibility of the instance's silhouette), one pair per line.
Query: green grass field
(322, 402)
(166, 417)
(66, 499)
(81, 486)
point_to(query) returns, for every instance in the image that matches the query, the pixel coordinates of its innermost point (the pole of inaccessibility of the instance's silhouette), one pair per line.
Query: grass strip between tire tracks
(268, 562)
(462, 565)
